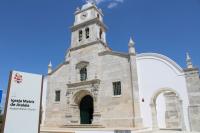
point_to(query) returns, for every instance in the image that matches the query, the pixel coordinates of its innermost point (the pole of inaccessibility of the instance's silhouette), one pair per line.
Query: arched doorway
(86, 110)
(173, 109)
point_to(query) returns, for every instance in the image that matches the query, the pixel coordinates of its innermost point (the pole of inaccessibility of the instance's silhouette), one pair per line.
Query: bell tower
(88, 27)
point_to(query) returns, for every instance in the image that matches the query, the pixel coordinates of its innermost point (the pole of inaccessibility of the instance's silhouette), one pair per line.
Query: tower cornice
(92, 21)
(80, 11)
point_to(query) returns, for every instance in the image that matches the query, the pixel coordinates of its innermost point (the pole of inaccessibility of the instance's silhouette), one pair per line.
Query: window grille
(57, 96)
(80, 35)
(117, 88)
(87, 32)
(83, 74)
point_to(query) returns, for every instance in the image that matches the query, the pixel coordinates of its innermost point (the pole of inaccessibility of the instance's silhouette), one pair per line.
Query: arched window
(98, 16)
(80, 35)
(87, 33)
(83, 74)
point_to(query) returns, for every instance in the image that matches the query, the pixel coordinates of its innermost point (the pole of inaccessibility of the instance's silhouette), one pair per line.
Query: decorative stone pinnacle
(49, 67)
(188, 61)
(131, 47)
(50, 64)
(131, 42)
(188, 56)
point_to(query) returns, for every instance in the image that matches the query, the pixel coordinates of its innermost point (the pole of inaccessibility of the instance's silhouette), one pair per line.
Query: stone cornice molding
(59, 66)
(77, 12)
(81, 64)
(92, 21)
(125, 55)
(191, 69)
(132, 54)
(88, 44)
(82, 83)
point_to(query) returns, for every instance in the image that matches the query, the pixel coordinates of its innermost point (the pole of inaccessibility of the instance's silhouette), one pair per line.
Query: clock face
(84, 15)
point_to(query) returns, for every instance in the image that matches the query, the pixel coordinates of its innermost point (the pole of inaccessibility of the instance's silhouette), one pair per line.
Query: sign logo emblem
(18, 78)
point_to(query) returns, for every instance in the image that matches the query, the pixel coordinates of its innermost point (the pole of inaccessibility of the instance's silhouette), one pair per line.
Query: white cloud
(110, 3)
(119, 1)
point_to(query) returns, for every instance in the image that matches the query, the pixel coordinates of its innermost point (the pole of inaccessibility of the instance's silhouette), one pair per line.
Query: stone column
(96, 114)
(134, 82)
(154, 116)
(75, 114)
(68, 109)
(183, 127)
(193, 88)
(136, 100)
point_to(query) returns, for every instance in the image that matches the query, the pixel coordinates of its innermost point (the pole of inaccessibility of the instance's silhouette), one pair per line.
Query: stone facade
(111, 79)
(103, 68)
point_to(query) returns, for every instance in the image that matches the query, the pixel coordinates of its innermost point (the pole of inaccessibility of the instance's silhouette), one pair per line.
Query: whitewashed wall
(44, 98)
(160, 111)
(157, 72)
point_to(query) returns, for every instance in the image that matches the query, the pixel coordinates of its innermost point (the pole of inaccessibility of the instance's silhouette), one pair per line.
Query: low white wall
(157, 72)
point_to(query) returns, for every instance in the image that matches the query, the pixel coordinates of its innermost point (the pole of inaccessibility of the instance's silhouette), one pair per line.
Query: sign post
(23, 103)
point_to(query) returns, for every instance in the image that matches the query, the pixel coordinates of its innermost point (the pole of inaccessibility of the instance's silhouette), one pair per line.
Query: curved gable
(161, 58)
(156, 73)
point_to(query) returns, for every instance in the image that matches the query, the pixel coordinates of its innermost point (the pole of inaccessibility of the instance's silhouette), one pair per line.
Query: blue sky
(33, 32)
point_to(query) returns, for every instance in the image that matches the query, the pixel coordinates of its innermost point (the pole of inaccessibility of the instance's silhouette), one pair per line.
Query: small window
(117, 88)
(83, 74)
(100, 33)
(80, 35)
(98, 16)
(57, 96)
(87, 33)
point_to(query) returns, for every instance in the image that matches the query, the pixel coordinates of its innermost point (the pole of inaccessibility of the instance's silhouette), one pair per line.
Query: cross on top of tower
(88, 4)
(90, 1)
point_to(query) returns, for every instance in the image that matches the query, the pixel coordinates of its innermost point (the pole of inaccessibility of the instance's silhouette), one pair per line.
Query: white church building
(97, 87)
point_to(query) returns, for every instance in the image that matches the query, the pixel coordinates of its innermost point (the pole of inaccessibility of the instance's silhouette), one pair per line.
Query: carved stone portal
(76, 94)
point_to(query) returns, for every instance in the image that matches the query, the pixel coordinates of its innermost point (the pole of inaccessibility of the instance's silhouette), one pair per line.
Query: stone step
(83, 126)
(55, 132)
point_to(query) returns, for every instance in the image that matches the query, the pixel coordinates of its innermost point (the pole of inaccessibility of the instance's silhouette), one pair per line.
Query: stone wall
(172, 114)
(55, 111)
(117, 111)
(193, 85)
(194, 112)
